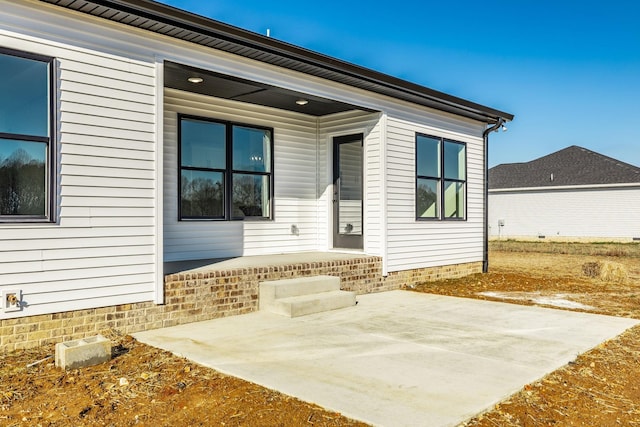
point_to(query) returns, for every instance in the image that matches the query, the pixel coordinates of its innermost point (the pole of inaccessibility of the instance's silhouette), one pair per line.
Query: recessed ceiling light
(195, 79)
(302, 101)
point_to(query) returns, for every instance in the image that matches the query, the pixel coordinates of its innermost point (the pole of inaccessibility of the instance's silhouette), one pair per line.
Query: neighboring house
(573, 193)
(134, 136)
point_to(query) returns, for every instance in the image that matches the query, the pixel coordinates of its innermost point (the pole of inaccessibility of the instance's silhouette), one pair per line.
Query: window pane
(428, 156)
(24, 99)
(350, 188)
(454, 160)
(251, 149)
(350, 167)
(251, 196)
(202, 194)
(427, 198)
(22, 178)
(453, 199)
(202, 144)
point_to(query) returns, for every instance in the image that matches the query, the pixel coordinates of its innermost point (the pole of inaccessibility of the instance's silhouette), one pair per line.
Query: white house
(135, 136)
(571, 194)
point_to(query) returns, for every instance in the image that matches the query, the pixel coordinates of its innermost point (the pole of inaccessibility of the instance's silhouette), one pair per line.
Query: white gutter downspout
(485, 225)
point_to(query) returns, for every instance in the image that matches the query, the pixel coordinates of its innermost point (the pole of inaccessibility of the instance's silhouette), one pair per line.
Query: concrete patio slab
(397, 358)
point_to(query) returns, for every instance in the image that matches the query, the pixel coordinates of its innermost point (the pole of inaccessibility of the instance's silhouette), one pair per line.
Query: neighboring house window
(25, 136)
(441, 177)
(226, 170)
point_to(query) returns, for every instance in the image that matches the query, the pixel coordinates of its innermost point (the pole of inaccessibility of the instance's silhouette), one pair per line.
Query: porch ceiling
(228, 87)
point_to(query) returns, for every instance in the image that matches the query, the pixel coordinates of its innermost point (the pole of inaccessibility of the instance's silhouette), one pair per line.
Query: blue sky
(568, 70)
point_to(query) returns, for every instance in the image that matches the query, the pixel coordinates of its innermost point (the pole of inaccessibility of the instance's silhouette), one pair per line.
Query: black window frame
(228, 172)
(441, 180)
(50, 141)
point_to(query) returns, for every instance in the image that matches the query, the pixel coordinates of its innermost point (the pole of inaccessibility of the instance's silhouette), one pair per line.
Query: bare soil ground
(144, 386)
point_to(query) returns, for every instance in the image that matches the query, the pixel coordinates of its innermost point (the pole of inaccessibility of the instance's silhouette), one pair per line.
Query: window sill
(247, 219)
(441, 219)
(26, 221)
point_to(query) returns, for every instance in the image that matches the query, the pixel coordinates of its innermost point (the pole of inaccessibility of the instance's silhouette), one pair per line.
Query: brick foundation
(197, 296)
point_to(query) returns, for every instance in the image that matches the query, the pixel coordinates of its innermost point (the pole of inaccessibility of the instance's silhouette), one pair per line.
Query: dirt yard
(144, 386)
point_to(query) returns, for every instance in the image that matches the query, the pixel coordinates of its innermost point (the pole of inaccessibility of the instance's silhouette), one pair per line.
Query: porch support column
(383, 193)
(159, 180)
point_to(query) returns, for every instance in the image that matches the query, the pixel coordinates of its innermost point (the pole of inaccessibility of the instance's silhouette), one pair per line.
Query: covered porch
(254, 169)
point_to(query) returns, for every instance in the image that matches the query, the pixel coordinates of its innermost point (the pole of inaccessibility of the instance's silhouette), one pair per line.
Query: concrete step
(304, 295)
(313, 303)
(300, 286)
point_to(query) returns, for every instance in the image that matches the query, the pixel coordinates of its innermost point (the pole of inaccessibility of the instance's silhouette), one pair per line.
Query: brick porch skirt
(194, 296)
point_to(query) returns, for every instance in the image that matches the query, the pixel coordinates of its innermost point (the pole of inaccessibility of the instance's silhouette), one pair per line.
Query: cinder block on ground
(82, 353)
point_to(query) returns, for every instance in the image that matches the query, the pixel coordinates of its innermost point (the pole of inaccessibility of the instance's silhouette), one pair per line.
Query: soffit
(229, 87)
(173, 22)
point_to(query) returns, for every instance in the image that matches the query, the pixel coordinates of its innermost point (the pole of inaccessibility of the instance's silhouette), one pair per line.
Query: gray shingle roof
(571, 166)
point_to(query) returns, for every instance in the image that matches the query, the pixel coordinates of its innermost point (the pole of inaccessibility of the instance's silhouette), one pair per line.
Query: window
(25, 136)
(225, 170)
(441, 177)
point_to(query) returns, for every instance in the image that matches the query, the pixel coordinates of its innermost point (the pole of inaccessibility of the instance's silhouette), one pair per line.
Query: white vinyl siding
(417, 244)
(101, 251)
(302, 188)
(350, 123)
(568, 213)
(295, 185)
(373, 189)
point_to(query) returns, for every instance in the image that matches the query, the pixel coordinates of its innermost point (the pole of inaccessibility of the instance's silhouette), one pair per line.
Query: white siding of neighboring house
(568, 213)
(101, 250)
(416, 244)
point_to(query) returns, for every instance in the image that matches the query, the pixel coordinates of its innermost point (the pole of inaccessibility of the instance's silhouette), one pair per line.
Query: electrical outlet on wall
(11, 300)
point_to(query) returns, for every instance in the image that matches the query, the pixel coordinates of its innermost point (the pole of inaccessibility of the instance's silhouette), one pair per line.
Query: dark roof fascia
(339, 71)
(565, 188)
